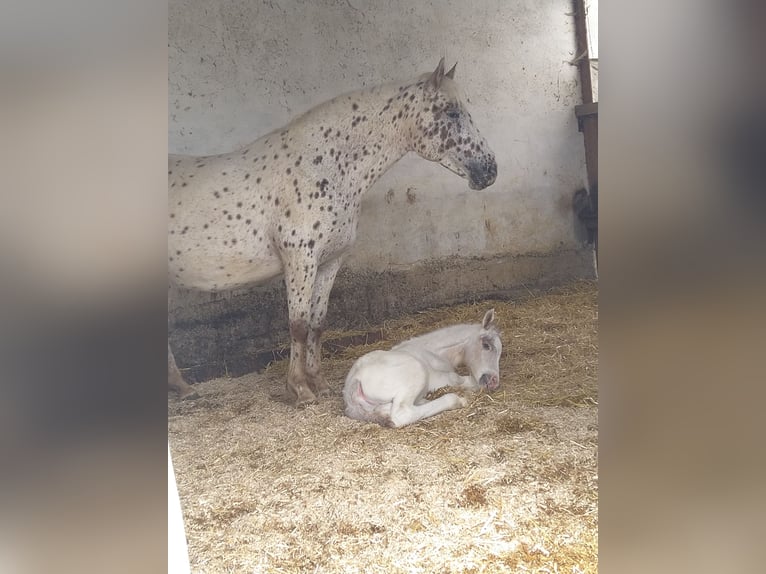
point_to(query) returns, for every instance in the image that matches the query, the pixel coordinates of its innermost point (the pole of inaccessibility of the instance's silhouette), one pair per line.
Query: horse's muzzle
(482, 173)
(489, 381)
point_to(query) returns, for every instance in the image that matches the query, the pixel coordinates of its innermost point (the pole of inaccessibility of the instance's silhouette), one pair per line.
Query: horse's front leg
(175, 381)
(300, 276)
(324, 281)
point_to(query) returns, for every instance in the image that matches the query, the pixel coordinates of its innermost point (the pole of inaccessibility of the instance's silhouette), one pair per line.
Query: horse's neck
(363, 130)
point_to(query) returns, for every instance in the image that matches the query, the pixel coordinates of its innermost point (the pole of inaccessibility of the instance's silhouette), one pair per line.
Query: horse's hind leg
(320, 297)
(176, 381)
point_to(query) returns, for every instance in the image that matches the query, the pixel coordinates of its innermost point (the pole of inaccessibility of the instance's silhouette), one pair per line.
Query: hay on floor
(507, 484)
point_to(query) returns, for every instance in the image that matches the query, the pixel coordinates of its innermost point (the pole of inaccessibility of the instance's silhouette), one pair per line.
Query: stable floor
(507, 484)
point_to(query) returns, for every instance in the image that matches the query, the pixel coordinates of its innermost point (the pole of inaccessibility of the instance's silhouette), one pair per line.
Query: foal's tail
(359, 407)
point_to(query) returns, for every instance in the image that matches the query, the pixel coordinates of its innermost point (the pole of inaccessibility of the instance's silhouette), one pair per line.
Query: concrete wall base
(239, 332)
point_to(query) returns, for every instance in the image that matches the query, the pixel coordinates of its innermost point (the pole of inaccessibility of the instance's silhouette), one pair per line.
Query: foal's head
(482, 353)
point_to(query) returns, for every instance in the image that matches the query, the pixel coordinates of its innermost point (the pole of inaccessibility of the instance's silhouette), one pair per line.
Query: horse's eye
(453, 113)
(486, 346)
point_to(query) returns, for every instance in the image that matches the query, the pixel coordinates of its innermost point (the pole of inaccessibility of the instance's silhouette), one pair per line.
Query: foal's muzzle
(489, 381)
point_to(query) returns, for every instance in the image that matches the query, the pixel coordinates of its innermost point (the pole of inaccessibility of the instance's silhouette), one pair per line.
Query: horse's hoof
(301, 403)
(318, 385)
(302, 395)
(320, 388)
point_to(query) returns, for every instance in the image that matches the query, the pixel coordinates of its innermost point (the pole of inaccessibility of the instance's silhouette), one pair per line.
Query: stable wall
(239, 69)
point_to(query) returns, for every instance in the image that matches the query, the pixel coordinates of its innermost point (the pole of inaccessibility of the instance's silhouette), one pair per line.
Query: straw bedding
(507, 484)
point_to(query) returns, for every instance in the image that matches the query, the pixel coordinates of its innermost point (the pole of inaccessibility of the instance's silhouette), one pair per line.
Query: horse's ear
(435, 80)
(489, 319)
(451, 73)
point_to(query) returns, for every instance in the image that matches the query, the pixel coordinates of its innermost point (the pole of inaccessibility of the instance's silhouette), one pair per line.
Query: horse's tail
(359, 407)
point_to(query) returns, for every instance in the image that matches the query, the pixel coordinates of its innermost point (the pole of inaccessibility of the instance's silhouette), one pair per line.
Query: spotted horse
(289, 203)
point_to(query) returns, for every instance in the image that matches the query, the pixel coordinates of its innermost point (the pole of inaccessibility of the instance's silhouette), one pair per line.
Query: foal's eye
(486, 346)
(453, 113)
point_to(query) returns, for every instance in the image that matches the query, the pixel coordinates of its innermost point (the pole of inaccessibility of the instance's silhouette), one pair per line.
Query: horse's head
(443, 130)
(482, 354)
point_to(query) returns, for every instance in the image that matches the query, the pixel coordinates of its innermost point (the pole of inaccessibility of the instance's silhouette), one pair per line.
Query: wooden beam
(583, 55)
(582, 110)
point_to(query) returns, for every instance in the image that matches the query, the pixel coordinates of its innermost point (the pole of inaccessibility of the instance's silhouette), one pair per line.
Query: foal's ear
(451, 73)
(489, 319)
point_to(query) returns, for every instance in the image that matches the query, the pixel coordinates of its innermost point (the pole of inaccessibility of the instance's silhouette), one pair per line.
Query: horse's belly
(216, 273)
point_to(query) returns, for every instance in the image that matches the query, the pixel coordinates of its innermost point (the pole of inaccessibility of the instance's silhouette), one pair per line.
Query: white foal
(390, 387)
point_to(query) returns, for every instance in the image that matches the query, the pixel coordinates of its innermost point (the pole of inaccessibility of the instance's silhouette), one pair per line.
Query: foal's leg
(405, 412)
(445, 376)
(410, 406)
(466, 382)
(440, 379)
(320, 297)
(300, 275)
